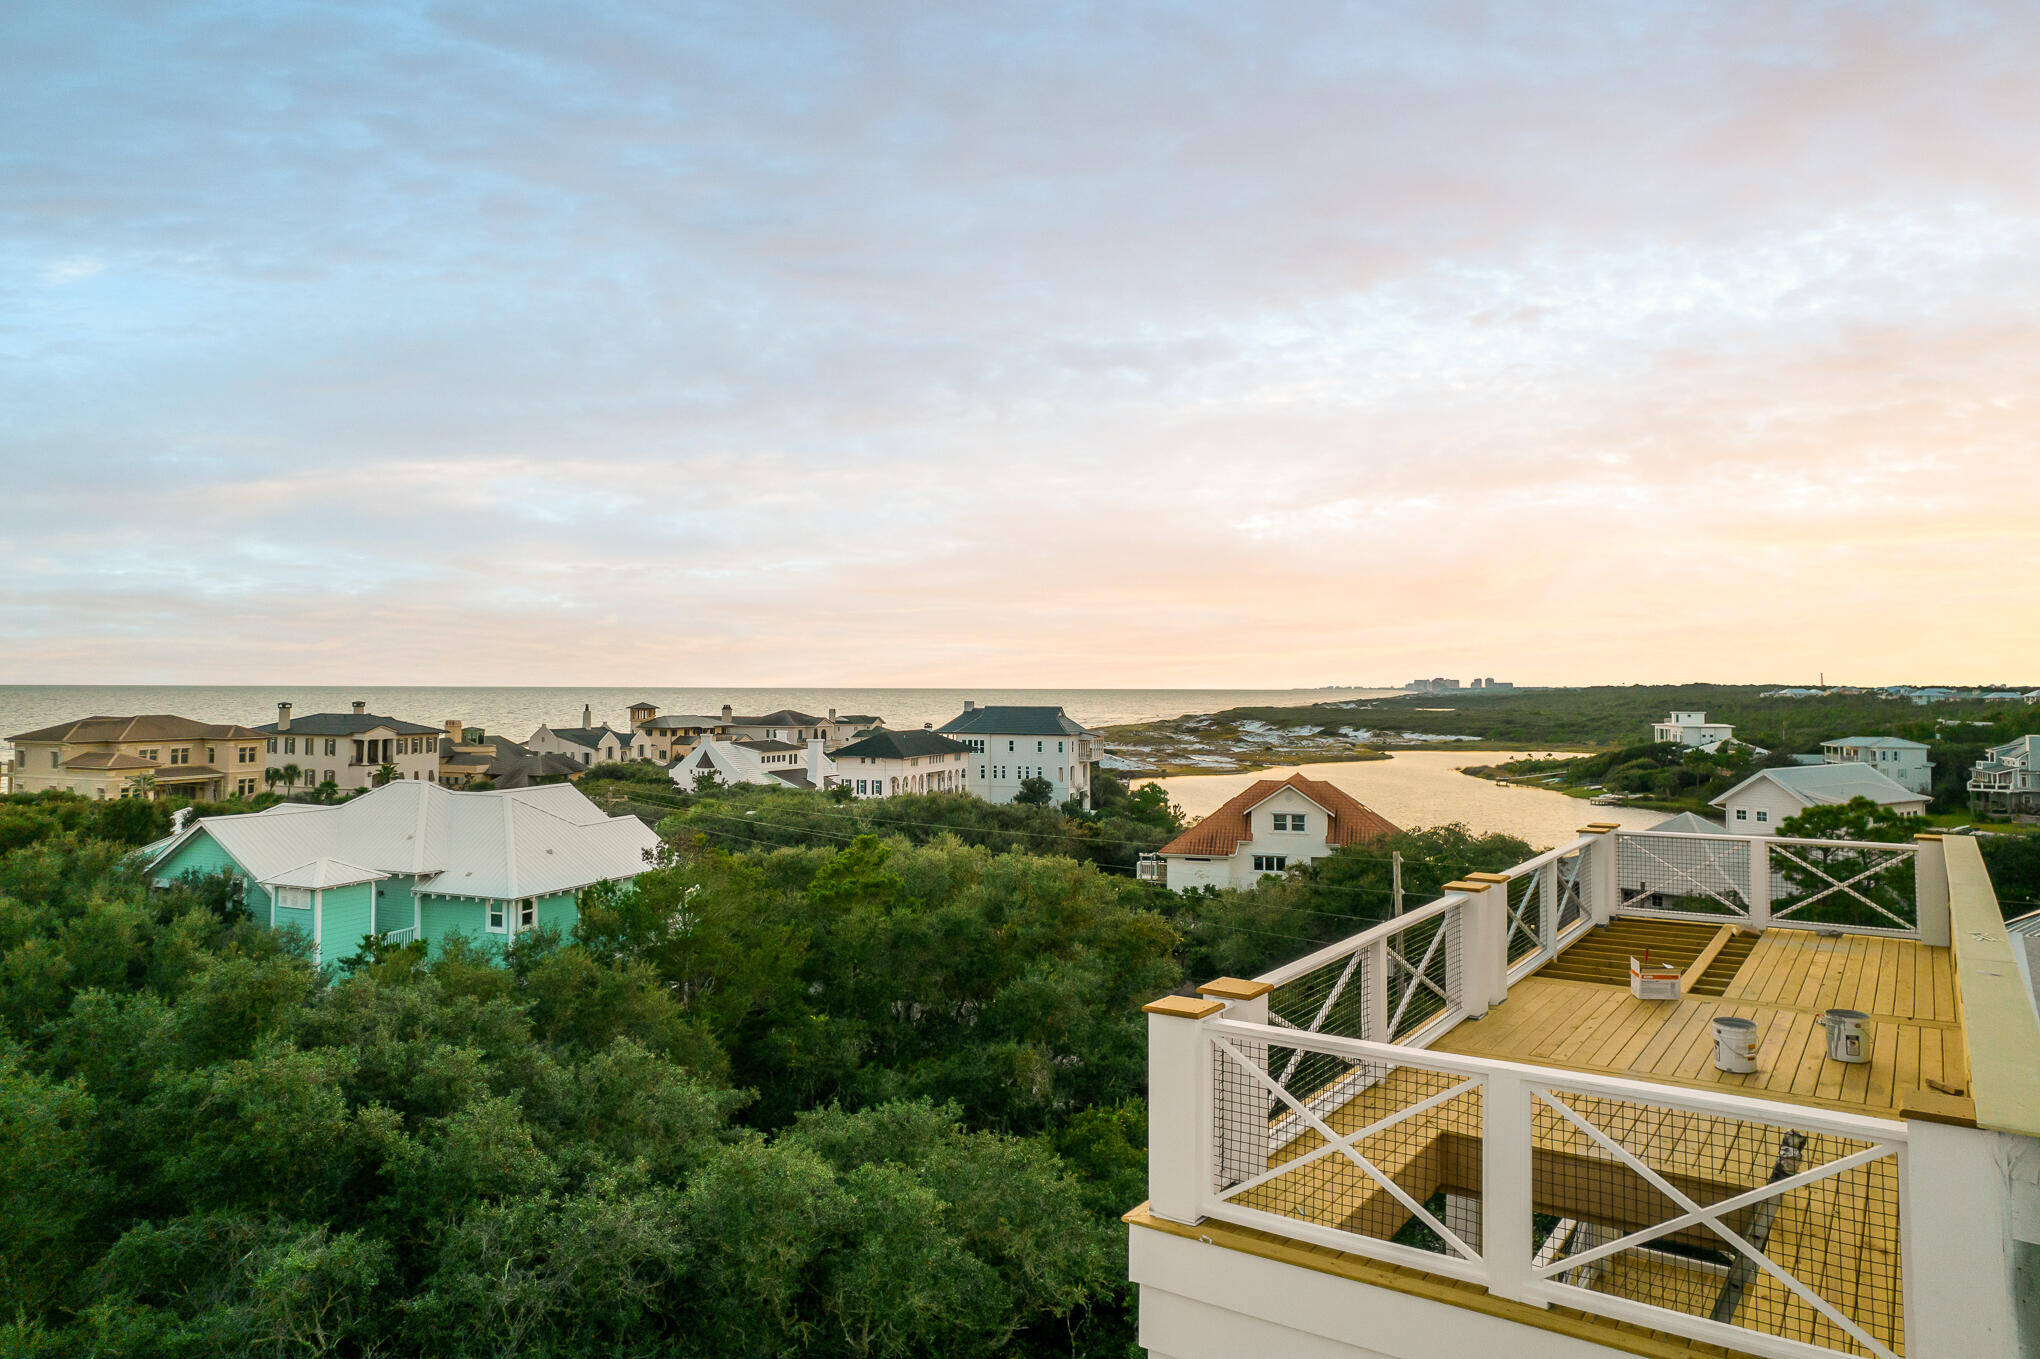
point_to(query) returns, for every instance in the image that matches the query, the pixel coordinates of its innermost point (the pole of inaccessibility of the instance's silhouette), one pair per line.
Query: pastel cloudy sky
(1019, 343)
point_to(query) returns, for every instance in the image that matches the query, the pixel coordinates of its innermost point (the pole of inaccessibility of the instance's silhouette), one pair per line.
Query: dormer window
(1289, 821)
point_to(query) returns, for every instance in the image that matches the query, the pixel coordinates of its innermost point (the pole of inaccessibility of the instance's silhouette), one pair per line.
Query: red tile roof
(1352, 822)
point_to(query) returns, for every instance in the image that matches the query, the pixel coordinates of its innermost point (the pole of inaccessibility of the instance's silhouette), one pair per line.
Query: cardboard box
(1653, 981)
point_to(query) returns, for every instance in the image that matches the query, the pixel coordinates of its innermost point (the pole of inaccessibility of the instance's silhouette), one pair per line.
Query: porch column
(1179, 1106)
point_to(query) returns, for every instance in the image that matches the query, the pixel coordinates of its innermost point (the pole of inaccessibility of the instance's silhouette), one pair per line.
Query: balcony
(1466, 1107)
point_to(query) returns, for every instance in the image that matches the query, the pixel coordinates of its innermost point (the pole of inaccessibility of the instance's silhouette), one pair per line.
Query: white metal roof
(1688, 823)
(1877, 743)
(1816, 784)
(502, 843)
(322, 873)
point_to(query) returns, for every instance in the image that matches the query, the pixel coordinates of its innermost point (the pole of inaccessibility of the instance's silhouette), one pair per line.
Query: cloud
(982, 344)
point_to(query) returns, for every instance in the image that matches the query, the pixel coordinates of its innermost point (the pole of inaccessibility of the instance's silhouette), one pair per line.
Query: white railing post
(1505, 1195)
(1374, 1022)
(1955, 1243)
(1491, 908)
(1179, 1106)
(1760, 883)
(1599, 852)
(1242, 1127)
(1547, 906)
(1930, 890)
(1466, 966)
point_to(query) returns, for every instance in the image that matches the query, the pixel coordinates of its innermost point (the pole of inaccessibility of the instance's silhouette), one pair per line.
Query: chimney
(927, 726)
(283, 717)
(453, 729)
(360, 707)
(970, 705)
(815, 758)
(832, 714)
(727, 712)
(587, 715)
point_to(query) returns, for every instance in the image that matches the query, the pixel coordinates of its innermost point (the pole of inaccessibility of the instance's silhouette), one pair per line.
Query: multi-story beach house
(1757, 804)
(348, 749)
(1011, 744)
(1904, 762)
(152, 756)
(1804, 1123)
(1692, 729)
(1271, 827)
(2004, 783)
(888, 763)
(414, 860)
(771, 763)
(591, 743)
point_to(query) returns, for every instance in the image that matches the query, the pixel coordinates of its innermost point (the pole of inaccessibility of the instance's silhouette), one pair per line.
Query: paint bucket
(1735, 1044)
(1845, 1041)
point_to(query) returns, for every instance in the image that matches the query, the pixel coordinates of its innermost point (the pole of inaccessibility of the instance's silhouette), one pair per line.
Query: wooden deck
(1907, 989)
(1838, 1236)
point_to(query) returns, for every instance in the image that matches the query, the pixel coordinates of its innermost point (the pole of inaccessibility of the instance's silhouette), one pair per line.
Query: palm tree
(385, 774)
(291, 774)
(272, 777)
(144, 785)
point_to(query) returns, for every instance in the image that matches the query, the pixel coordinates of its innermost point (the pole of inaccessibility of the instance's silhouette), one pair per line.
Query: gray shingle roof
(587, 736)
(348, 724)
(1013, 720)
(899, 745)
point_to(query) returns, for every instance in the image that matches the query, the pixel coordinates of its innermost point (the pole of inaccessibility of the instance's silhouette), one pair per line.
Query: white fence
(1768, 1228)
(402, 936)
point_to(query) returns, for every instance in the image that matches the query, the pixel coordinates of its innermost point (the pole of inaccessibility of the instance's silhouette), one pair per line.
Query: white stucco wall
(311, 754)
(995, 773)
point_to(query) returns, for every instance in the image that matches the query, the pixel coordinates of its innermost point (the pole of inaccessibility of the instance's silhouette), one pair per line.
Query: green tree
(385, 773)
(1035, 791)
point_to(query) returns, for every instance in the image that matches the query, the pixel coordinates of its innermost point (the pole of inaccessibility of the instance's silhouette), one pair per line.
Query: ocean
(518, 711)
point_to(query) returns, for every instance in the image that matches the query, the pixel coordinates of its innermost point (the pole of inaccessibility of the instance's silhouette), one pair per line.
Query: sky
(1189, 344)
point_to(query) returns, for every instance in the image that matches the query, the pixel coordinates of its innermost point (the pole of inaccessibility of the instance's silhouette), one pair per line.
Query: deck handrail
(1341, 948)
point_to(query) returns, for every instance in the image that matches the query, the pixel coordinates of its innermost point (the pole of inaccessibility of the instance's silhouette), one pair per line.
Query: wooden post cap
(1464, 887)
(1604, 825)
(1233, 988)
(1928, 835)
(1598, 828)
(1487, 877)
(1183, 1007)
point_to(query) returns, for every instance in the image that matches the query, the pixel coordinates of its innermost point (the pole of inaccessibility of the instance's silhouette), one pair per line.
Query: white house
(1275, 825)
(1903, 762)
(1010, 744)
(349, 748)
(887, 763)
(1757, 804)
(773, 763)
(590, 744)
(2006, 781)
(1692, 729)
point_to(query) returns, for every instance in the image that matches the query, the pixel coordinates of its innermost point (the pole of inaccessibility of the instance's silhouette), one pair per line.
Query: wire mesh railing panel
(1574, 873)
(1424, 975)
(1784, 1231)
(1525, 921)
(1682, 875)
(1857, 887)
(1396, 1160)
(1332, 999)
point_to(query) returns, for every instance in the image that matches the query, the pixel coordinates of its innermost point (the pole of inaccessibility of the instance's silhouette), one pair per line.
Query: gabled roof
(769, 747)
(1013, 720)
(1224, 830)
(149, 727)
(737, 762)
(1822, 784)
(1877, 743)
(348, 724)
(323, 873)
(504, 843)
(589, 736)
(900, 745)
(1687, 823)
(785, 717)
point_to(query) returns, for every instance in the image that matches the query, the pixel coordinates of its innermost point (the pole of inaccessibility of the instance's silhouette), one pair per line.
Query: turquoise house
(415, 860)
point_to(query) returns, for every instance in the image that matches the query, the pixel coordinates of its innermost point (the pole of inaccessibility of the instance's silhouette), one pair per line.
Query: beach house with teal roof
(415, 860)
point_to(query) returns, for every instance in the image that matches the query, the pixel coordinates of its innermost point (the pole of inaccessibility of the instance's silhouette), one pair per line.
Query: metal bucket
(1845, 1039)
(1735, 1044)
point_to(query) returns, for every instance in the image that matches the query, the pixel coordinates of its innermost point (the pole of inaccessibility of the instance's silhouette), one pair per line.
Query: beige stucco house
(156, 755)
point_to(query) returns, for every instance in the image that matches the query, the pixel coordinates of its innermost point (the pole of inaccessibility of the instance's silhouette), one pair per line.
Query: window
(527, 913)
(1763, 816)
(332, 746)
(1742, 813)
(495, 917)
(53, 759)
(1289, 821)
(1037, 747)
(290, 745)
(152, 756)
(330, 778)
(272, 745)
(180, 755)
(294, 898)
(245, 755)
(860, 785)
(1009, 745)
(1270, 863)
(212, 755)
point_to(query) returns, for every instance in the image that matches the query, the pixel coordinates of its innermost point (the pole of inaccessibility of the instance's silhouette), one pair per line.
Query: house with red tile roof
(1275, 825)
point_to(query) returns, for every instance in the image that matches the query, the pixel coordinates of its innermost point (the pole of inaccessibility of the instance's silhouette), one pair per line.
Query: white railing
(1767, 1228)
(402, 936)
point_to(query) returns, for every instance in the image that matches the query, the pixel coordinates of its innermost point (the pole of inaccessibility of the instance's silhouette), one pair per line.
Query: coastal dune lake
(1425, 788)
